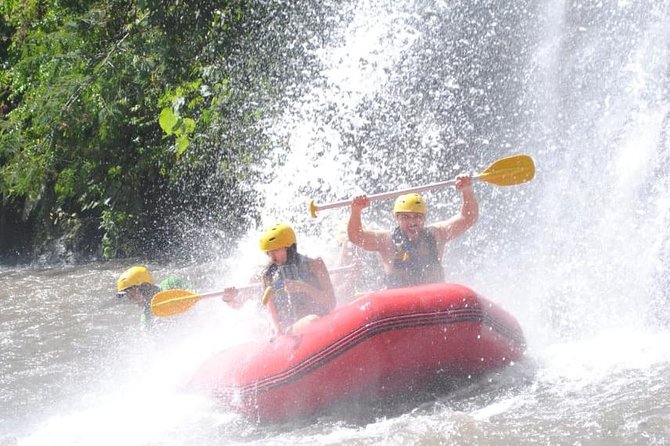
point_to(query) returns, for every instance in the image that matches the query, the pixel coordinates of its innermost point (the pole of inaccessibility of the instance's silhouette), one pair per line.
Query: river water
(413, 93)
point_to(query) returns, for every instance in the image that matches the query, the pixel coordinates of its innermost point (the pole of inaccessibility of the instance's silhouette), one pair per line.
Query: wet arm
(358, 235)
(468, 215)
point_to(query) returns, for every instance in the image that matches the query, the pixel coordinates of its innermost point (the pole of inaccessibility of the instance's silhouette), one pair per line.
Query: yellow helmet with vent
(412, 202)
(137, 275)
(278, 236)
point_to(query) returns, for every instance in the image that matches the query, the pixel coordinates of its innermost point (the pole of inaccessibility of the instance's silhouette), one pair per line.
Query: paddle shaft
(257, 285)
(507, 171)
(391, 194)
(225, 290)
(176, 301)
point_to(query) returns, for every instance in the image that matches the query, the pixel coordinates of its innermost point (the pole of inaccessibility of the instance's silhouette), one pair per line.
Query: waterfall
(417, 92)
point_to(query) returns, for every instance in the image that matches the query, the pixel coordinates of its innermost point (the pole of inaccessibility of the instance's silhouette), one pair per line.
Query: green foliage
(181, 128)
(113, 222)
(100, 102)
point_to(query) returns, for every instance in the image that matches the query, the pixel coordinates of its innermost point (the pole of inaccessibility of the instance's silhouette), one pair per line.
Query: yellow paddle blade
(171, 302)
(509, 171)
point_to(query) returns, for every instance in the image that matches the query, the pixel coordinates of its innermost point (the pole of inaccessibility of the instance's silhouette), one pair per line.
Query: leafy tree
(83, 85)
(137, 127)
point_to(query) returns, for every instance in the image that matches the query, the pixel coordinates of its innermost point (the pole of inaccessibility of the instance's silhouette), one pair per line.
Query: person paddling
(412, 253)
(298, 288)
(137, 284)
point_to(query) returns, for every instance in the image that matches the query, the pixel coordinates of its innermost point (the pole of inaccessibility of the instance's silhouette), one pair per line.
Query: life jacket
(292, 307)
(414, 262)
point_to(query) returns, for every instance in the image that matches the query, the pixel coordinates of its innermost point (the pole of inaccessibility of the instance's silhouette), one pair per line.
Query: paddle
(176, 301)
(508, 171)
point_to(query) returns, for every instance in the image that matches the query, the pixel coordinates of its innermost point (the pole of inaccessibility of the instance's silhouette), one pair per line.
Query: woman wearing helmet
(412, 252)
(298, 287)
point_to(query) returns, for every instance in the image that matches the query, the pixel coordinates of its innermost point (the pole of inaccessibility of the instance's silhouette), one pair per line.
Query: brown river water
(77, 369)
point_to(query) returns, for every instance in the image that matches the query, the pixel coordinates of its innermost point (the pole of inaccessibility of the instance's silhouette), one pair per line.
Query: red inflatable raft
(384, 342)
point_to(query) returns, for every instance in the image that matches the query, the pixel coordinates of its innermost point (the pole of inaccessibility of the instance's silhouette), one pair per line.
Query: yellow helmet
(278, 236)
(410, 203)
(136, 275)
